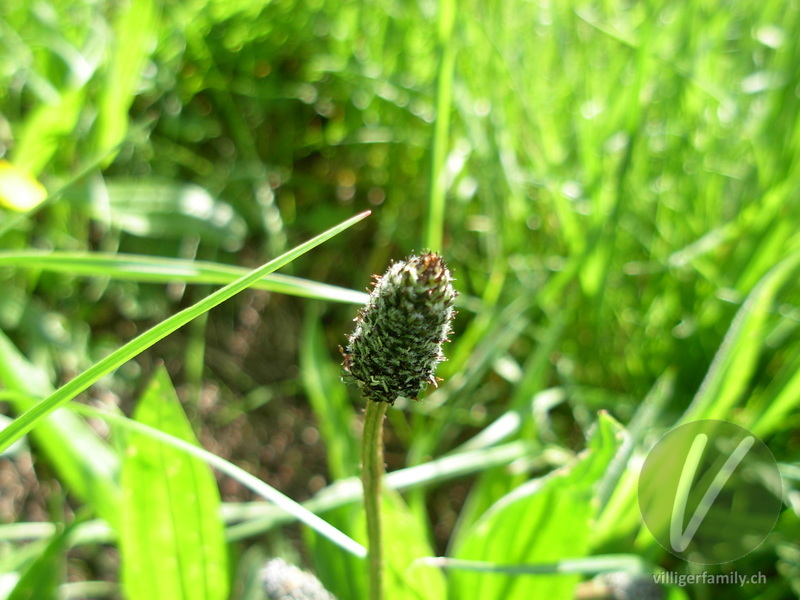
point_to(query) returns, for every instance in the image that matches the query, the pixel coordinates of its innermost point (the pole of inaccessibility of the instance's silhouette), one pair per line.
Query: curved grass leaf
(40, 579)
(347, 491)
(591, 565)
(155, 269)
(70, 390)
(85, 463)
(738, 355)
(135, 29)
(290, 509)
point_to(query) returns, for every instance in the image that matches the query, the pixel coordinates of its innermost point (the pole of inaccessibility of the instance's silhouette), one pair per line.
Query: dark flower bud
(283, 581)
(398, 339)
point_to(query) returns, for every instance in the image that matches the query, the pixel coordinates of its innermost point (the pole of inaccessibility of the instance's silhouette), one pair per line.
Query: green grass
(614, 186)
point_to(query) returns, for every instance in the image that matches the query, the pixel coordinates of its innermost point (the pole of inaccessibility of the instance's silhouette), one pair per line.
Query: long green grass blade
(67, 392)
(736, 360)
(155, 269)
(441, 132)
(40, 579)
(591, 565)
(253, 483)
(135, 30)
(782, 397)
(86, 465)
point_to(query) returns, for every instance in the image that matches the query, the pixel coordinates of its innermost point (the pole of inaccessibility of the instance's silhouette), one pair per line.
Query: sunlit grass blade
(616, 493)
(67, 392)
(738, 354)
(329, 400)
(284, 503)
(40, 579)
(154, 269)
(441, 132)
(135, 29)
(45, 129)
(85, 463)
(347, 491)
(591, 565)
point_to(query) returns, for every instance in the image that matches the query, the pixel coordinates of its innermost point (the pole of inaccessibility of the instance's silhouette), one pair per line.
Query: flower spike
(399, 333)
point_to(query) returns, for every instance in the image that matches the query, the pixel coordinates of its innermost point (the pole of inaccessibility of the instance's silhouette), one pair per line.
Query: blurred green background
(615, 185)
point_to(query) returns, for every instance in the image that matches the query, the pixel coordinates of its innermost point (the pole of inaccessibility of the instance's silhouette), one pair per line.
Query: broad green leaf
(67, 392)
(405, 539)
(542, 521)
(490, 486)
(342, 574)
(85, 464)
(172, 540)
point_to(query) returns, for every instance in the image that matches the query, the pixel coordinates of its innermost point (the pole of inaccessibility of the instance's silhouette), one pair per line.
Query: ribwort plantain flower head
(399, 333)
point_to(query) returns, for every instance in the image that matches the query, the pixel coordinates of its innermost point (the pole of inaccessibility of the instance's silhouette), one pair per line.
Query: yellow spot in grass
(18, 189)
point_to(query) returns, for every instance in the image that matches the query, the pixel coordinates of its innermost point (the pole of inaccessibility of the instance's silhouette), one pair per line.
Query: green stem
(371, 474)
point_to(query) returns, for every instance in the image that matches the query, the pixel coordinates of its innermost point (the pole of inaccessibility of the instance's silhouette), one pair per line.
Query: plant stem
(371, 474)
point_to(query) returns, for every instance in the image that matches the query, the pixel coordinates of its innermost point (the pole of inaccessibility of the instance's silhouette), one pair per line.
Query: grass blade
(40, 579)
(86, 465)
(135, 30)
(737, 357)
(156, 269)
(67, 392)
(253, 483)
(441, 133)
